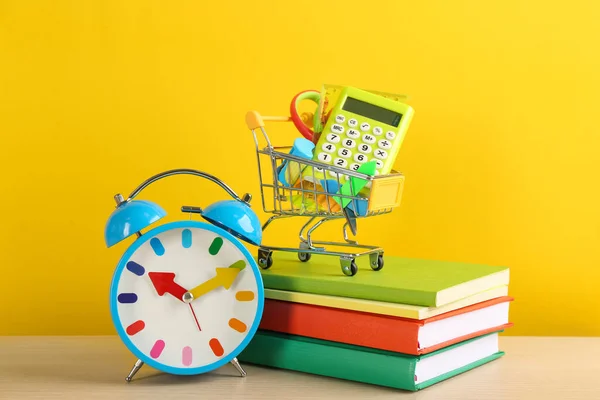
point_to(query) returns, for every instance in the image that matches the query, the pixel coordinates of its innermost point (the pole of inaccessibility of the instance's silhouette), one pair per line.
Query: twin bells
(132, 216)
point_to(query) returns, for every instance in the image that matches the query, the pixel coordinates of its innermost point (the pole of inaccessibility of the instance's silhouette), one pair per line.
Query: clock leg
(237, 366)
(134, 370)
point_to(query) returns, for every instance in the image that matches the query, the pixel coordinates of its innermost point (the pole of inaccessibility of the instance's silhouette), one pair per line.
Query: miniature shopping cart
(317, 203)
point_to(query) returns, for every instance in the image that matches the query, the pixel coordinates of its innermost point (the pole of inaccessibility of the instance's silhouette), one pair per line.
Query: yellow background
(501, 159)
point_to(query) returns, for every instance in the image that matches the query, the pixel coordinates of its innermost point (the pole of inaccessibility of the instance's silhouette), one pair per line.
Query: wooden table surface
(95, 368)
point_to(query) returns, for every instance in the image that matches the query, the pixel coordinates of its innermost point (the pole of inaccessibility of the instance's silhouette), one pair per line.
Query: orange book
(384, 332)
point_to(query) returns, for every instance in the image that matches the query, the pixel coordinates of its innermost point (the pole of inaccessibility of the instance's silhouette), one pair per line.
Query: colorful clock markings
(127, 298)
(240, 264)
(186, 238)
(237, 325)
(136, 268)
(216, 347)
(215, 246)
(157, 349)
(244, 295)
(186, 356)
(157, 246)
(136, 327)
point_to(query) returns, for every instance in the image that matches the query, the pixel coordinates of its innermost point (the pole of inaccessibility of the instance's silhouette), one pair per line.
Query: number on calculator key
(324, 157)
(361, 158)
(328, 147)
(349, 143)
(333, 138)
(340, 162)
(354, 166)
(344, 153)
(364, 148)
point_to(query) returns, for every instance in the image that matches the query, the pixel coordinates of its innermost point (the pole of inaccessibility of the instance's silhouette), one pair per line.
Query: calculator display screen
(372, 111)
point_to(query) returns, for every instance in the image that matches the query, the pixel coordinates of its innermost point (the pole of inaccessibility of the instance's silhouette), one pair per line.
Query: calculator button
(324, 157)
(333, 138)
(381, 154)
(337, 128)
(390, 135)
(349, 143)
(385, 144)
(365, 127)
(364, 148)
(340, 162)
(352, 122)
(377, 130)
(344, 153)
(379, 164)
(328, 147)
(361, 158)
(353, 133)
(369, 139)
(354, 166)
(340, 118)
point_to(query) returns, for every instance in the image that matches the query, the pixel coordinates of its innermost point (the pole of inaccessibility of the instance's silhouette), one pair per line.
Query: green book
(410, 281)
(366, 365)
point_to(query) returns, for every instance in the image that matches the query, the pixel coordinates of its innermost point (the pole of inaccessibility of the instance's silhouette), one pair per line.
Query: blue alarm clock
(187, 296)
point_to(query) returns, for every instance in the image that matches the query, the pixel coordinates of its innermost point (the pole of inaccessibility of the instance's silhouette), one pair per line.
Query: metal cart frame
(316, 203)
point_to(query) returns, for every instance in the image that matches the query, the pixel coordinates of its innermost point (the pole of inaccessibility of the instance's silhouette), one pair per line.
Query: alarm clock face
(157, 318)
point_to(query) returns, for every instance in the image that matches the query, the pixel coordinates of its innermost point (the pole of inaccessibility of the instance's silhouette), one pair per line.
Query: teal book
(367, 365)
(411, 281)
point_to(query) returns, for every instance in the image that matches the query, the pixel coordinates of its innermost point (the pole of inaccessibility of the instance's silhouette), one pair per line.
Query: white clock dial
(169, 333)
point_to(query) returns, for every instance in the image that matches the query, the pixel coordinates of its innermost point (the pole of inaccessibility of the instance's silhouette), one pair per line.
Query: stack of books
(408, 326)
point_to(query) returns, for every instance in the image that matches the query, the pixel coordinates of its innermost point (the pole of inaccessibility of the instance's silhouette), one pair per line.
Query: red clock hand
(164, 282)
(194, 315)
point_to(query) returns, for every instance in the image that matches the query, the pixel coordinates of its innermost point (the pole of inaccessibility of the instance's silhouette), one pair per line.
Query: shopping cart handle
(254, 120)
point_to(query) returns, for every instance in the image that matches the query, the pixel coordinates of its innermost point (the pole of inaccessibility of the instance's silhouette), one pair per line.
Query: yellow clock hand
(224, 277)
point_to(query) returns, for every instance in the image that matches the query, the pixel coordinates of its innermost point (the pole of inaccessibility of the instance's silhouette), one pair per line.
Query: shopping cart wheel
(265, 258)
(304, 257)
(376, 261)
(349, 267)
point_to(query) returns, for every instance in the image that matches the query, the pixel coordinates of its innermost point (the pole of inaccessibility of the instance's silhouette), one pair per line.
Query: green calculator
(362, 126)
